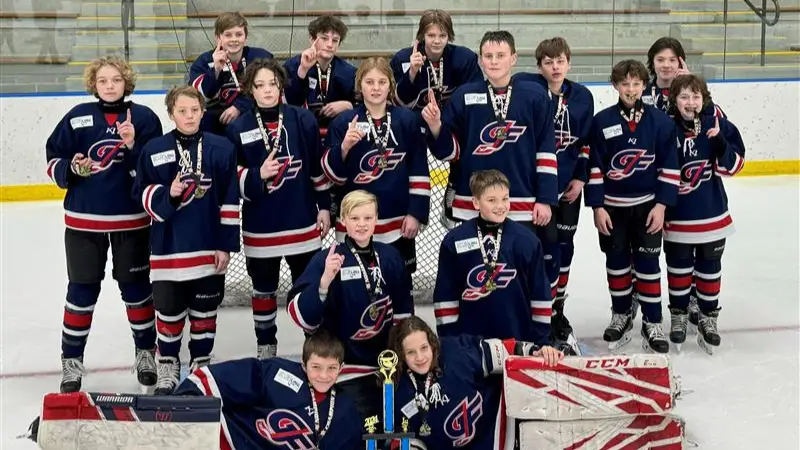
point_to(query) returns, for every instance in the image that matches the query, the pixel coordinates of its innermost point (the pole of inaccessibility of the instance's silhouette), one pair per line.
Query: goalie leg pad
(635, 432)
(92, 421)
(589, 387)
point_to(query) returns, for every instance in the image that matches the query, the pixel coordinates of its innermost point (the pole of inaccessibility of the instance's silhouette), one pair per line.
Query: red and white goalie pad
(91, 421)
(629, 433)
(589, 387)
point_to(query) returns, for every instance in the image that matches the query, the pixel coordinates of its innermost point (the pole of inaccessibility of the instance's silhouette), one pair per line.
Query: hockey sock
(708, 279)
(265, 310)
(203, 326)
(679, 280)
(618, 272)
(567, 252)
(170, 331)
(648, 286)
(552, 264)
(78, 311)
(138, 300)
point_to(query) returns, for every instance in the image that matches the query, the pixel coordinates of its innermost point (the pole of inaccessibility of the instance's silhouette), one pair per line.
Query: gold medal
(500, 134)
(199, 192)
(490, 286)
(382, 162)
(425, 429)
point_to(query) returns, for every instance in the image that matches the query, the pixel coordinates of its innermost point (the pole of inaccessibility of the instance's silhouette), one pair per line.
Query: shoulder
(137, 109)
(294, 61)
(160, 143)
(580, 92)
(242, 122)
(344, 65)
(343, 119)
(658, 116)
(530, 87)
(606, 113)
(402, 55)
(464, 229)
(530, 78)
(526, 239)
(403, 114)
(461, 52)
(468, 88)
(455, 348)
(220, 144)
(204, 58)
(387, 252)
(257, 52)
(82, 109)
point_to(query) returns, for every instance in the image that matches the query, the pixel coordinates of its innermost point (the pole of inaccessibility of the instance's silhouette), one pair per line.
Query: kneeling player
(633, 178)
(491, 279)
(696, 228)
(278, 403)
(187, 183)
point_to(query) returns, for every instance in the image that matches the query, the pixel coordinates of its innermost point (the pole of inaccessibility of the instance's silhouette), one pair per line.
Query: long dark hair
(401, 331)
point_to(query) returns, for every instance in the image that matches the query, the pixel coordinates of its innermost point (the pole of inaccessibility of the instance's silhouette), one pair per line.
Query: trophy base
(387, 436)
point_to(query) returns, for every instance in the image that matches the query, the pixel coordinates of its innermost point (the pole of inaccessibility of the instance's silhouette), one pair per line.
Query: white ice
(744, 397)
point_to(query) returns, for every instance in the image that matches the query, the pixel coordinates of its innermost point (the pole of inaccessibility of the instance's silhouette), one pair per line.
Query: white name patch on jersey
(287, 379)
(467, 245)
(163, 158)
(648, 100)
(611, 132)
(81, 122)
(406, 66)
(475, 99)
(250, 136)
(312, 83)
(351, 273)
(363, 127)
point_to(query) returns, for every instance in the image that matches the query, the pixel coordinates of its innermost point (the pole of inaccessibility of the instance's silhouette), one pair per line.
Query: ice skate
(199, 363)
(634, 306)
(653, 338)
(168, 369)
(145, 368)
(563, 337)
(618, 332)
(266, 351)
(679, 323)
(708, 337)
(694, 312)
(72, 372)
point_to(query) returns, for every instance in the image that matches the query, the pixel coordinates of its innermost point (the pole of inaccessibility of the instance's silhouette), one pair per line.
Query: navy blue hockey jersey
(573, 112)
(360, 320)
(101, 202)
(315, 91)
(299, 183)
(701, 213)
(631, 167)
(520, 305)
(464, 402)
(188, 230)
(402, 187)
(526, 155)
(659, 97)
(222, 92)
(457, 66)
(267, 405)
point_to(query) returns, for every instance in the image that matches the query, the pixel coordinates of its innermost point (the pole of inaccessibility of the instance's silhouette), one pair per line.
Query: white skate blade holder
(94, 421)
(581, 388)
(632, 432)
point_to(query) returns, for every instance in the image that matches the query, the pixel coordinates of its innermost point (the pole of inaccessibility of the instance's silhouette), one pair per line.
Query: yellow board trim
(35, 192)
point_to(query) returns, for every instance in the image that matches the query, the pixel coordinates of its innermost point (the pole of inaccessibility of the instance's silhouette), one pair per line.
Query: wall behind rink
(766, 112)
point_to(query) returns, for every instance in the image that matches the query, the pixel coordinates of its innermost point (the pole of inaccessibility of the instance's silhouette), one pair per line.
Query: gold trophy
(387, 363)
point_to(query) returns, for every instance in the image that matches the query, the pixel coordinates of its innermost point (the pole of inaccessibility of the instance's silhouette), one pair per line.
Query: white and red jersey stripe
(446, 312)
(282, 243)
(105, 224)
(699, 231)
(541, 311)
(183, 266)
(328, 171)
(546, 163)
(738, 165)
(198, 84)
(419, 186)
(353, 371)
(611, 200)
(229, 215)
(386, 230)
(521, 209)
(669, 176)
(147, 201)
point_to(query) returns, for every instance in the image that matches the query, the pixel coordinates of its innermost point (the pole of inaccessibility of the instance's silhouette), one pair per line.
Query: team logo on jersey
(374, 319)
(105, 153)
(228, 93)
(373, 164)
(478, 276)
(626, 162)
(494, 137)
(461, 422)
(289, 169)
(563, 140)
(284, 428)
(693, 174)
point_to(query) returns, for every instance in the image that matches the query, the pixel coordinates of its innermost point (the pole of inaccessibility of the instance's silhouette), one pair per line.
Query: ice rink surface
(745, 396)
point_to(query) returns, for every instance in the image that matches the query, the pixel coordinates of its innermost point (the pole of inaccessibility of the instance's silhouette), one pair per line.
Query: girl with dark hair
(447, 388)
(278, 153)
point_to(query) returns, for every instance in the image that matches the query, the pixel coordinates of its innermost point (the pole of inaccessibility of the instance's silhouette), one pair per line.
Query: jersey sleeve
(406, 92)
(306, 307)
(402, 302)
(419, 181)
(471, 71)
(445, 147)
(581, 171)
(148, 129)
(541, 299)
(669, 177)
(59, 151)
(546, 162)
(322, 184)
(238, 383)
(333, 164)
(296, 90)
(148, 187)
(230, 238)
(728, 149)
(248, 175)
(447, 292)
(595, 192)
(204, 78)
